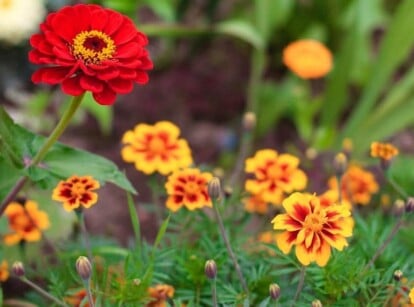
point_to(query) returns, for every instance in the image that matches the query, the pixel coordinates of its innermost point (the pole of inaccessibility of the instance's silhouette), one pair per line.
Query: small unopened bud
(340, 164)
(398, 274)
(409, 205)
(210, 269)
(274, 291)
(399, 207)
(84, 267)
(214, 188)
(136, 281)
(18, 269)
(347, 146)
(316, 303)
(249, 121)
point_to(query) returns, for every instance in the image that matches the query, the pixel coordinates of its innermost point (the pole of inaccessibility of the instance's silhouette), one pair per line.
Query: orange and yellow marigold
(159, 295)
(308, 58)
(156, 148)
(26, 222)
(311, 228)
(255, 204)
(188, 187)
(274, 175)
(384, 151)
(357, 185)
(4, 271)
(76, 191)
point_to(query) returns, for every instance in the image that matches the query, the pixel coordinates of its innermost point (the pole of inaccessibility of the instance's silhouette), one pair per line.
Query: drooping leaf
(243, 30)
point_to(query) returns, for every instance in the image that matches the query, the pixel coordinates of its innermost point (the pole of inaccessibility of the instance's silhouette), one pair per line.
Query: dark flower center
(93, 47)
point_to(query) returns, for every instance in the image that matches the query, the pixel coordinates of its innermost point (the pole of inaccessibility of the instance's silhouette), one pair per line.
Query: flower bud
(316, 303)
(18, 269)
(399, 207)
(274, 291)
(84, 267)
(409, 206)
(340, 164)
(210, 269)
(398, 274)
(249, 121)
(214, 188)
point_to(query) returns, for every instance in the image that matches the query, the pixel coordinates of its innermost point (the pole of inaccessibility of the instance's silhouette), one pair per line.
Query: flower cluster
(89, 48)
(188, 187)
(308, 58)
(311, 228)
(357, 185)
(156, 148)
(274, 176)
(26, 222)
(76, 191)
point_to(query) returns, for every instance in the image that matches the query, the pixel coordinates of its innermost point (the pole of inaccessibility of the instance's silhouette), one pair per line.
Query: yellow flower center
(274, 171)
(314, 222)
(192, 188)
(93, 47)
(78, 189)
(4, 4)
(157, 145)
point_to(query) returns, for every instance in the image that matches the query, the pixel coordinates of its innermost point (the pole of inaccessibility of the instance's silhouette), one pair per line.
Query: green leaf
(163, 8)
(102, 114)
(243, 30)
(394, 49)
(133, 213)
(402, 172)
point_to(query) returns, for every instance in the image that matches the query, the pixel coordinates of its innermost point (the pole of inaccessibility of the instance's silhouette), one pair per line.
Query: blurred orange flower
(311, 228)
(76, 191)
(77, 298)
(4, 271)
(411, 296)
(255, 204)
(385, 151)
(275, 174)
(156, 148)
(330, 198)
(26, 221)
(308, 58)
(160, 294)
(357, 185)
(188, 187)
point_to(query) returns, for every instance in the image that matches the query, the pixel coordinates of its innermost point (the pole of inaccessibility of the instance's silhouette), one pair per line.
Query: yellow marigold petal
(285, 241)
(70, 207)
(258, 159)
(323, 254)
(303, 255)
(93, 198)
(33, 235)
(297, 205)
(12, 238)
(14, 208)
(173, 205)
(290, 161)
(166, 126)
(279, 221)
(411, 295)
(4, 271)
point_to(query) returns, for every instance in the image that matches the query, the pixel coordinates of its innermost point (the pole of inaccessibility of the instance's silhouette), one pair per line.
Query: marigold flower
(76, 191)
(89, 48)
(26, 222)
(77, 298)
(255, 204)
(160, 294)
(188, 187)
(4, 271)
(275, 174)
(156, 148)
(19, 19)
(357, 185)
(411, 296)
(311, 228)
(330, 197)
(384, 151)
(308, 58)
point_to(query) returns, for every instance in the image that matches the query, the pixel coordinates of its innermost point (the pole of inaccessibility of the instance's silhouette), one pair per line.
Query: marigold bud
(249, 121)
(409, 205)
(214, 188)
(398, 274)
(316, 303)
(274, 291)
(340, 164)
(347, 145)
(84, 267)
(399, 207)
(18, 269)
(210, 269)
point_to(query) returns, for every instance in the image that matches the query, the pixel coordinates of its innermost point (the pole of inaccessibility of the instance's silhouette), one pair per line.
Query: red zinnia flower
(90, 48)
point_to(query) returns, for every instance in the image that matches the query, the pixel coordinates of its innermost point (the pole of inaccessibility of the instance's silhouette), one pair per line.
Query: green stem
(214, 292)
(54, 136)
(59, 129)
(396, 186)
(256, 71)
(89, 293)
(228, 247)
(43, 292)
(85, 234)
(300, 285)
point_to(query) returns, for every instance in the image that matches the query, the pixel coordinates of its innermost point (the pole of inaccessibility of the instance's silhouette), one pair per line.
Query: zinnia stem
(228, 247)
(53, 137)
(300, 285)
(43, 292)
